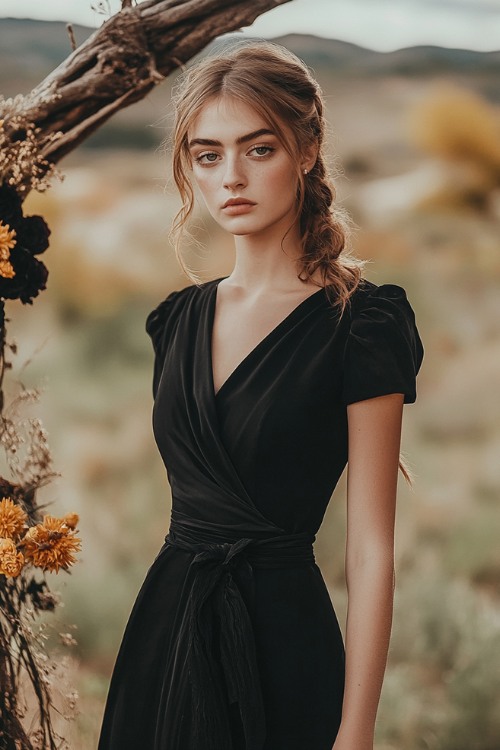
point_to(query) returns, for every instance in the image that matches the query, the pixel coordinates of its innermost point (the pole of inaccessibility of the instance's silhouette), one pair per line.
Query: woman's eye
(209, 157)
(263, 150)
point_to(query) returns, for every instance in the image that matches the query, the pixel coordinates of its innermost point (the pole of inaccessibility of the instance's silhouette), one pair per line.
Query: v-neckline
(211, 318)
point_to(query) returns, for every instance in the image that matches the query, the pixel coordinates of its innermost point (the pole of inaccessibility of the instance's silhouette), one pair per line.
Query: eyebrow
(239, 141)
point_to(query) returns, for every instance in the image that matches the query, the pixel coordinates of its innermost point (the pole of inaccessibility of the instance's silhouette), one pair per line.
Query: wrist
(355, 735)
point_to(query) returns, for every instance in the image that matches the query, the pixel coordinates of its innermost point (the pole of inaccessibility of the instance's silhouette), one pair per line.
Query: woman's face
(237, 158)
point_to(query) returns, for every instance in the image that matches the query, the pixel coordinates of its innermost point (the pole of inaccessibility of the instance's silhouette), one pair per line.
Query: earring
(306, 171)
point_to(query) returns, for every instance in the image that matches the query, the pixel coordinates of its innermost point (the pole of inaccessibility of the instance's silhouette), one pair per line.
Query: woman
(265, 382)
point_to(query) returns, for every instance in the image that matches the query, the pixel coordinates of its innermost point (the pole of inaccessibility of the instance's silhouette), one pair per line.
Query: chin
(239, 228)
(242, 232)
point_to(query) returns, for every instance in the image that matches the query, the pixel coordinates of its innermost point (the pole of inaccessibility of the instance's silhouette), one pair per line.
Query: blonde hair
(281, 89)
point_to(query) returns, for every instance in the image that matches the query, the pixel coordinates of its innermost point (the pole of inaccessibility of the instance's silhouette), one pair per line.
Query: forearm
(369, 619)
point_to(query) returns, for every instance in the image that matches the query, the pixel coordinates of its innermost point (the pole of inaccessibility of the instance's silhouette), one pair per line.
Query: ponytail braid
(325, 226)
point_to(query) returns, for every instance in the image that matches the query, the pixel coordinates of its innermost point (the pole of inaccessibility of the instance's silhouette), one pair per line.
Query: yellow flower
(7, 242)
(12, 519)
(11, 561)
(51, 544)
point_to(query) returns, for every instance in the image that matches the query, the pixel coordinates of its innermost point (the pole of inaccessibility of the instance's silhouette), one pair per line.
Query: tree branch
(122, 61)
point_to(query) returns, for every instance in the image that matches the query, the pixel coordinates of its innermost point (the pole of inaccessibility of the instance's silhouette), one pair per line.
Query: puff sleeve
(383, 351)
(158, 327)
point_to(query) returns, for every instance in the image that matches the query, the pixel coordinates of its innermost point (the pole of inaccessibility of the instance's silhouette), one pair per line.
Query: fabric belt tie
(216, 634)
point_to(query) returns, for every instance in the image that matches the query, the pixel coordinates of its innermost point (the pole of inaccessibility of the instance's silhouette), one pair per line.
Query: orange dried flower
(12, 519)
(7, 269)
(51, 544)
(7, 243)
(11, 561)
(71, 520)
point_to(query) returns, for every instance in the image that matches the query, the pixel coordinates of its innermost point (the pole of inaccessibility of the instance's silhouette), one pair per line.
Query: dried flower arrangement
(31, 543)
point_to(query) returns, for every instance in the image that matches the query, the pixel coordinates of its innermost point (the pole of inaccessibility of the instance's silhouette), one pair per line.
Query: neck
(267, 261)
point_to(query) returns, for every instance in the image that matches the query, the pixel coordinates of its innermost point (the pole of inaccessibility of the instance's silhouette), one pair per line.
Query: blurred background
(413, 96)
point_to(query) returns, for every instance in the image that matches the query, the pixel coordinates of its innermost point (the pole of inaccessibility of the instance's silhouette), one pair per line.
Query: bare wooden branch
(122, 61)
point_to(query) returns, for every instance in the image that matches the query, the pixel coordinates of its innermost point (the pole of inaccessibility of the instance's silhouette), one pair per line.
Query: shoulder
(387, 297)
(164, 309)
(382, 310)
(161, 317)
(384, 350)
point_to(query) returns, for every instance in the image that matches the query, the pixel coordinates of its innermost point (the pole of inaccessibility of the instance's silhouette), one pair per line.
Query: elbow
(375, 562)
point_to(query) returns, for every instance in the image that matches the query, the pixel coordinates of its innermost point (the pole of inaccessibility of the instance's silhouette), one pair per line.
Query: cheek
(205, 182)
(280, 180)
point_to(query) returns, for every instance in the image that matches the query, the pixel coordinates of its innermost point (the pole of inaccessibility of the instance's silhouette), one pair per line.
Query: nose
(234, 175)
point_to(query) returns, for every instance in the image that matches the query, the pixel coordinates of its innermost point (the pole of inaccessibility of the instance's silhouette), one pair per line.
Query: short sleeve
(383, 351)
(158, 327)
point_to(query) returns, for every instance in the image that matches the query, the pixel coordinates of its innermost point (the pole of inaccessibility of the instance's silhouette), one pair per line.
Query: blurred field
(422, 180)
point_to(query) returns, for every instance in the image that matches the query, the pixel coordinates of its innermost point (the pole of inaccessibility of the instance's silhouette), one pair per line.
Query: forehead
(226, 118)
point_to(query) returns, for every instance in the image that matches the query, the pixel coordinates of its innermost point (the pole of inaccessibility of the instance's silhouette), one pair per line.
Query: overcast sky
(378, 24)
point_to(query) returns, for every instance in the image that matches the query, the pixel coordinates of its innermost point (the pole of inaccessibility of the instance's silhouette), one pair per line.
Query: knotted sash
(216, 662)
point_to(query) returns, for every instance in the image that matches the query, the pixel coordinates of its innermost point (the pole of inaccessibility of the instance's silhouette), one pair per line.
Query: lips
(238, 202)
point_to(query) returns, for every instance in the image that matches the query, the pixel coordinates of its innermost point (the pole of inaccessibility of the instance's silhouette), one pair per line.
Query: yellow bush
(458, 125)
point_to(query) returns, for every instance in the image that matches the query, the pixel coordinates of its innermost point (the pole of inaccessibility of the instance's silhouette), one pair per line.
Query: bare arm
(374, 444)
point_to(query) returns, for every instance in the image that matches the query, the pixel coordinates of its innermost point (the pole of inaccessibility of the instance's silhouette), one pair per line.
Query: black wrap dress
(233, 642)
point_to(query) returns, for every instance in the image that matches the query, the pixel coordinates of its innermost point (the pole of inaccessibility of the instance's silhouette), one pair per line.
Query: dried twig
(71, 33)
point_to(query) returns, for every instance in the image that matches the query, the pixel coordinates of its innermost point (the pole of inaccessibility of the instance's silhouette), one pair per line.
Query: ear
(309, 157)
